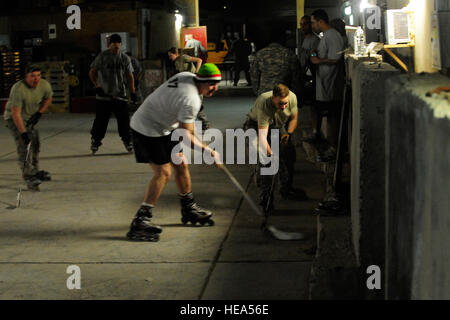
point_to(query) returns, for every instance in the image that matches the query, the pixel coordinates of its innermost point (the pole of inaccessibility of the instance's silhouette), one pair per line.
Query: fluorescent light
(178, 20)
(348, 11)
(351, 20)
(364, 4)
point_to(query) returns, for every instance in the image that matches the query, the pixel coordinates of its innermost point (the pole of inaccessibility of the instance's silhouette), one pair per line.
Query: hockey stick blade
(276, 233)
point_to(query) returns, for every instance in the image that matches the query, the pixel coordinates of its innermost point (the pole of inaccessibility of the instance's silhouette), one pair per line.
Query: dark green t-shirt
(26, 98)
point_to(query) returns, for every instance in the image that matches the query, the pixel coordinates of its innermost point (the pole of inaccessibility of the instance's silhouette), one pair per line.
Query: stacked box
(53, 72)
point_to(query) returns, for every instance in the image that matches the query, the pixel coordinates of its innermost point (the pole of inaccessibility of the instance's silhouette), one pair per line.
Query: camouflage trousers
(32, 165)
(286, 170)
(285, 173)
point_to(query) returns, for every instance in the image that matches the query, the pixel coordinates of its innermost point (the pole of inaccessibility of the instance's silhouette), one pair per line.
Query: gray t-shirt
(136, 67)
(310, 44)
(329, 77)
(197, 45)
(112, 70)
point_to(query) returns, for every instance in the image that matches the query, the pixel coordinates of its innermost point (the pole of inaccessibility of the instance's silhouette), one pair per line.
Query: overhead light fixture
(364, 5)
(348, 11)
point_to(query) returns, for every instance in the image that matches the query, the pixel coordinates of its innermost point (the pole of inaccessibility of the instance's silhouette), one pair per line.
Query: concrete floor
(82, 215)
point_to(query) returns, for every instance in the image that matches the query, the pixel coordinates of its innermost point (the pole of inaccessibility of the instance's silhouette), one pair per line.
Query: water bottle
(360, 42)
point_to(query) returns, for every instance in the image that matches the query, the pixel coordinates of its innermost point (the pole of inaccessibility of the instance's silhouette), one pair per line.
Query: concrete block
(367, 158)
(334, 272)
(352, 61)
(417, 208)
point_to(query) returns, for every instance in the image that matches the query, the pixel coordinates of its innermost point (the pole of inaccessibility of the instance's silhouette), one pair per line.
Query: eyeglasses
(281, 103)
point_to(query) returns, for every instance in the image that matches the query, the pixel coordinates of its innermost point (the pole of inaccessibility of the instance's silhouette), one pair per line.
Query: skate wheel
(211, 222)
(150, 238)
(184, 220)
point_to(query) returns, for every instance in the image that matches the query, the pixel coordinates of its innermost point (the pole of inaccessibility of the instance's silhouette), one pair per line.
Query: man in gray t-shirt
(111, 73)
(309, 44)
(329, 78)
(199, 50)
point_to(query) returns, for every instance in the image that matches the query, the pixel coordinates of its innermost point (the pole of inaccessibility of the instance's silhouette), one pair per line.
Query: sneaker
(128, 146)
(95, 145)
(327, 156)
(43, 175)
(33, 182)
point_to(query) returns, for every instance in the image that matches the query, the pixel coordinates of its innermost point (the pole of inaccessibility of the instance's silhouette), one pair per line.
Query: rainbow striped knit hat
(208, 72)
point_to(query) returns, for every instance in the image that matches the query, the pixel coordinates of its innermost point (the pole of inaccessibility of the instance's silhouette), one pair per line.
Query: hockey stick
(19, 194)
(275, 232)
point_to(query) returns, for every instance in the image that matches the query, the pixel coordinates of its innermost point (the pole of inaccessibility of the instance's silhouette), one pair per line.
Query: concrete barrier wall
(368, 163)
(417, 188)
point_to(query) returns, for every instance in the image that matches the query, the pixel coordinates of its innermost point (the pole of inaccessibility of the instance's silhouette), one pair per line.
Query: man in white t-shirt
(175, 104)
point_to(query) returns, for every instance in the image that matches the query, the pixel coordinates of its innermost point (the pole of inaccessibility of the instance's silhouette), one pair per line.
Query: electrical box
(397, 27)
(442, 5)
(126, 43)
(4, 40)
(440, 39)
(52, 31)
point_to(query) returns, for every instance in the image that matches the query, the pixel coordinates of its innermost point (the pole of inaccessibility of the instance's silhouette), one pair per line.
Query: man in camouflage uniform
(28, 99)
(275, 110)
(272, 65)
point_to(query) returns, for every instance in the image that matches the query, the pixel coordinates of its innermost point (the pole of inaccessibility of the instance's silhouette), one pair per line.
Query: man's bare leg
(161, 175)
(182, 176)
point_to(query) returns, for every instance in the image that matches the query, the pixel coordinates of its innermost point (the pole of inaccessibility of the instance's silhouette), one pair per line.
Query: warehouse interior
(393, 162)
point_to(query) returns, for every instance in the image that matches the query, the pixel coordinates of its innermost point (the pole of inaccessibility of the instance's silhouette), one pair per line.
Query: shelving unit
(10, 71)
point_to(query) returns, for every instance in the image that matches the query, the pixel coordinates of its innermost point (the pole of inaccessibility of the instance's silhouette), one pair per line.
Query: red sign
(195, 37)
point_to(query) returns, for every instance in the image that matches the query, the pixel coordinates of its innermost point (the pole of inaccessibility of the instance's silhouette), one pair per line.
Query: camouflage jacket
(272, 65)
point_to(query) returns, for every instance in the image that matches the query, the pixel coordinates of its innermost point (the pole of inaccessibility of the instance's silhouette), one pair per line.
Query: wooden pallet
(54, 73)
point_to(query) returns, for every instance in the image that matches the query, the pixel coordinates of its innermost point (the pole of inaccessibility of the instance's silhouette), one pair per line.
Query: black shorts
(157, 150)
(328, 108)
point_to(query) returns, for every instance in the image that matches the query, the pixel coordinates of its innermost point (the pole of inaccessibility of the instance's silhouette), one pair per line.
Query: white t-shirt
(176, 100)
